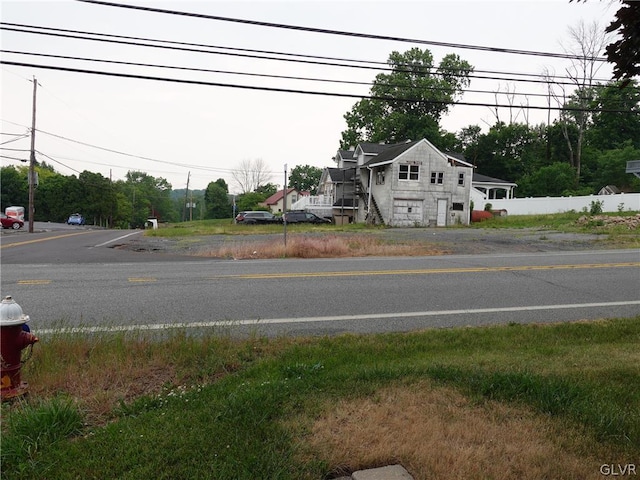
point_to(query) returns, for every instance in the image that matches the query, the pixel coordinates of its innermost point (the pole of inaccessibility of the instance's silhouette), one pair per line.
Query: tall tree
(305, 178)
(616, 119)
(587, 42)
(623, 53)
(216, 198)
(251, 174)
(408, 102)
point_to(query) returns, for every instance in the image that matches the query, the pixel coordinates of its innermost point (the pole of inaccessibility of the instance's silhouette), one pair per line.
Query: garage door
(407, 213)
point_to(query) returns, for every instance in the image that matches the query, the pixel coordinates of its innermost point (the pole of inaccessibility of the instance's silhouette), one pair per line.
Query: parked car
(302, 216)
(75, 219)
(11, 222)
(254, 217)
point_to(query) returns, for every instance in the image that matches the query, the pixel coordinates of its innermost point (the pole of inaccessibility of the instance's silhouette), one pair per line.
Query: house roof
(390, 153)
(346, 154)
(372, 148)
(478, 178)
(276, 197)
(336, 174)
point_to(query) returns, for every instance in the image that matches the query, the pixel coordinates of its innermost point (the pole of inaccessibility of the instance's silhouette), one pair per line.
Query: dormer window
(409, 172)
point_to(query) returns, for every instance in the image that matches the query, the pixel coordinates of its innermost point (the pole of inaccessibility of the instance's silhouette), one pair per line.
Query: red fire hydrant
(14, 338)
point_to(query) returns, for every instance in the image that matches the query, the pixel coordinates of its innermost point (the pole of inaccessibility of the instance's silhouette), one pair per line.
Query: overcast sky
(173, 130)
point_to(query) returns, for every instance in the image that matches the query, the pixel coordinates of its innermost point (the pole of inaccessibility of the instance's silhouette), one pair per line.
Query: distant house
(275, 203)
(404, 184)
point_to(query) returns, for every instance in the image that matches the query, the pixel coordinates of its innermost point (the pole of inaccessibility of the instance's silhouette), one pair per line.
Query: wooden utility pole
(186, 199)
(32, 160)
(284, 209)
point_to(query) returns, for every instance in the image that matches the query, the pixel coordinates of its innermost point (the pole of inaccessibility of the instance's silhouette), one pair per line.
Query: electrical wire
(307, 92)
(338, 32)
(249, 74)
(374, 65)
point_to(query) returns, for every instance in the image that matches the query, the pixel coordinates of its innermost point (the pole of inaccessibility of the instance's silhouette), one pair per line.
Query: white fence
(541, 205)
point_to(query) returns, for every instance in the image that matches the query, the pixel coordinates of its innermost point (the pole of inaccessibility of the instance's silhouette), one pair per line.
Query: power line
(306, 92)
(339, 32)
(167, 44)
(249, 74)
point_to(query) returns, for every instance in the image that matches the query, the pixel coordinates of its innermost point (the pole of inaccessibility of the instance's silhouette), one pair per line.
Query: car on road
(75, 219)
(255, 217)
(301, 216)
(11, 222)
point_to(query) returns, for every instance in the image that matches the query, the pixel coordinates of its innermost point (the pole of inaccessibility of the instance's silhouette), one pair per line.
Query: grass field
(529, 402)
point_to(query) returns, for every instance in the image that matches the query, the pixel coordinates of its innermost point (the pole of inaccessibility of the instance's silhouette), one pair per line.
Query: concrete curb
(391, 472)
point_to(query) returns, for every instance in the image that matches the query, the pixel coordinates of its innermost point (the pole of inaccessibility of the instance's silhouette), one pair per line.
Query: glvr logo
(618, 469)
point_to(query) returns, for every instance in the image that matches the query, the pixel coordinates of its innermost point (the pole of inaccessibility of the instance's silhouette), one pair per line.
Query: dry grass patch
(439, 433)
(325, 246)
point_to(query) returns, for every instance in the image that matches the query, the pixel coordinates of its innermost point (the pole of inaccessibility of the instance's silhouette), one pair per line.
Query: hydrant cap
(11, 313)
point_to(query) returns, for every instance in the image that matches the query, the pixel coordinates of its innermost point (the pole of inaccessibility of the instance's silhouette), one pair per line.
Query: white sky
(209, 130)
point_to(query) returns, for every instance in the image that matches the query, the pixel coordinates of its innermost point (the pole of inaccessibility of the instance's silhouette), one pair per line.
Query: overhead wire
(249, 74)
(337, 32)
(289, 57)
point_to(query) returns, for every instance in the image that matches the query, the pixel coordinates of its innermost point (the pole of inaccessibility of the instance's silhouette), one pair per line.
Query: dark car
(10, 222)
(304, 217)
(254, 217)
(75, 219)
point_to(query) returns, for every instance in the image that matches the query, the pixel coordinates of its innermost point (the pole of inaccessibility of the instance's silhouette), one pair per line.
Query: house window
(409, 172)
(457, 206)
(437, 178)
(380, 177)
(461, 179)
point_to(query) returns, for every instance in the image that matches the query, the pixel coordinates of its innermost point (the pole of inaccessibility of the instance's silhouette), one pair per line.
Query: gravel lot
(452, 240)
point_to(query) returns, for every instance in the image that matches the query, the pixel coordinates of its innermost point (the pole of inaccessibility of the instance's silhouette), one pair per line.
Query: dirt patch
(436, 432)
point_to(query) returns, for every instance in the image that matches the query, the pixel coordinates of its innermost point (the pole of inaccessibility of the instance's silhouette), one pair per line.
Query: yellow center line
(27, 242)
(429, 271)
(142, 279)
(34, 282)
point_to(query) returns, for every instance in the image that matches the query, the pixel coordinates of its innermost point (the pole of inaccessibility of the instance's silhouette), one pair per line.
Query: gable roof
(391, 153)
(370, 148)
(276, 197)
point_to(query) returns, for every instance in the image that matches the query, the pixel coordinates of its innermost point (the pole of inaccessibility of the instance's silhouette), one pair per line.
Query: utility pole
(32, 160)
(186, 199)
(284, 209)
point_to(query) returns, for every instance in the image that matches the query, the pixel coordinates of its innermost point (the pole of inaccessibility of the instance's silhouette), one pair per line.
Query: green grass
(233, 423)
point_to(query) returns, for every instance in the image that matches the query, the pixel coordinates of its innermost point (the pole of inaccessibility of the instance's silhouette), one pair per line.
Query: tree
(216, 199)
(623, 53)
(267, 190)
(506, 151)
(552, 180)
(250, 201)
(408, 102)
(14, 186)
(149, 196)
(587, 43)
(616, 119)
(305, 178)
(251, 174)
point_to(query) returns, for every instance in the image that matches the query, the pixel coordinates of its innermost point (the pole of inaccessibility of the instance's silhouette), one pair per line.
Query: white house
(405, 184)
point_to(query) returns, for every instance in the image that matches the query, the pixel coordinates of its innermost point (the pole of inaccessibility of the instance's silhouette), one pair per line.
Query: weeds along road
(73, 279)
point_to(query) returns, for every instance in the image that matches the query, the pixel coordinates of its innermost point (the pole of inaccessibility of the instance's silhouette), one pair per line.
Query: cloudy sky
(110, 124)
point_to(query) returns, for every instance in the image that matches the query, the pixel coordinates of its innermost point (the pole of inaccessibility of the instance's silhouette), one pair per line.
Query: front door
(441, 219)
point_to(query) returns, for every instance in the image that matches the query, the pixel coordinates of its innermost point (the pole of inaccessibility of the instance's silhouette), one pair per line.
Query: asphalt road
(73, 277)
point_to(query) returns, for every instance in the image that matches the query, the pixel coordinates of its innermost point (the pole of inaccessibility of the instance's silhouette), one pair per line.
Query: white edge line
(116, 239)
(338, 318)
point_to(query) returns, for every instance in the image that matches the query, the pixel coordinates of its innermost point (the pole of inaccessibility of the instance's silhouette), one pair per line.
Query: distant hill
(180, 193)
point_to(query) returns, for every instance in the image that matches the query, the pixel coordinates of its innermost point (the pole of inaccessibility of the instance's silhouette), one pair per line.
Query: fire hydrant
(14, 337)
